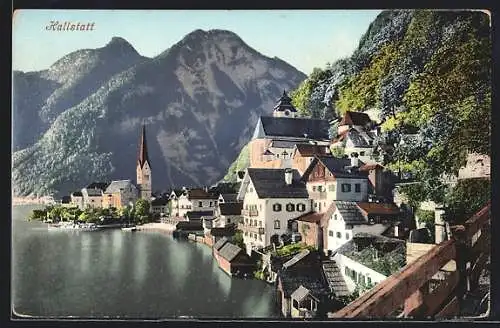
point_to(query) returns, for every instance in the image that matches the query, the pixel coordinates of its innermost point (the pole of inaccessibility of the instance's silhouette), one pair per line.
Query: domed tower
(284, 107)
(143, 168)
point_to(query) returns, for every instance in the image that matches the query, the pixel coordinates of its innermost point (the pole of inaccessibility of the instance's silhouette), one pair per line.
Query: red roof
(200, 194)
(355, 118)
(312, 217)
(372, 166)
(378, 208)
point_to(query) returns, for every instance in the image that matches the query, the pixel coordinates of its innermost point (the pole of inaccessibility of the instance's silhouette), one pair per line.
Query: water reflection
(116, 274)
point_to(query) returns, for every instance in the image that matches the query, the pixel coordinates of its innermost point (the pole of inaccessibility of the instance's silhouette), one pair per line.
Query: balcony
(250, 212)
(317, 194)
(248, 228)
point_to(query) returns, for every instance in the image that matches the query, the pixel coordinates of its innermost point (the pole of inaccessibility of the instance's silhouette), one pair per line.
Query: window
(369, 280)
(347, 236)
(315, 205)
(146, 176)
(346, 187)
(335, 216)
(331, 187)
(361, 153)
(290, 207)
(276, 224)
(346, 271)
(260, 224)
(295, 304)
(228, 220)
(320, 188)
(314, 188)
(200, 204)
(301, 207)
(339, 235)
(357, 187)
(361, 279)
(250, 189)
(277, 207)
(246, 233)
(330, 233)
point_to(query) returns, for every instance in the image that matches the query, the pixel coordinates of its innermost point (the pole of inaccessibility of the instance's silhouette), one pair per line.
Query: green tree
(466, 199)
(238, 239)
(142, 207)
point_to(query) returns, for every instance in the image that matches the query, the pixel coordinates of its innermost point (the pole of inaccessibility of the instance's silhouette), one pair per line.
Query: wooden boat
(129, 228)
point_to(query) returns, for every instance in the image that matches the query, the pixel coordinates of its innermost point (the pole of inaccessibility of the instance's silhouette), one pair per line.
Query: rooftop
(270, 183)
(198, 193)
(219, 243)
(198, 214)
(231, 208)
(119, 185)
(304, 128)
(229, 251)
(355, 118)
(312, 217)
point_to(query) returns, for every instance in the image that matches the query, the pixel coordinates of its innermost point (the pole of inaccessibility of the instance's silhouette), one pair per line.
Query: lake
(117, 274)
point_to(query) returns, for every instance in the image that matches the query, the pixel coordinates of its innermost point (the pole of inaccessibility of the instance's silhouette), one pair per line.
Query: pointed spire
(143, 148)
(284, 102)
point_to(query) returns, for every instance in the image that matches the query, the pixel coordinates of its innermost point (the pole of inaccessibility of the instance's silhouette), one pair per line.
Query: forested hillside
(429, 75)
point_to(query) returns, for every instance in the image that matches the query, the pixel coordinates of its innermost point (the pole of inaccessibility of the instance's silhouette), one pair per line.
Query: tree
(466, 199)
(238, 239)
(142, 207)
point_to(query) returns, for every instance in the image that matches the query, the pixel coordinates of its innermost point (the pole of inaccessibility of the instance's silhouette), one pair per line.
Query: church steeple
(143, 149)
(284, 107)
(143, 169)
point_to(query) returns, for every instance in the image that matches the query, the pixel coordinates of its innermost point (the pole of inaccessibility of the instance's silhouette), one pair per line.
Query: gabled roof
(270, 183)
(241, 174)
(336, 166)
(223, 232)
(219, 243)
(371, 166)
(189, 225)
(355, 118)
(284, 103)
(304, 128)
(359, 139)
(229, 198)
(350, 212)
(176, 192)
(334, 278)
(282, 144)
(308, 150)
(301, 293)
(77, 194)
(296, 258)
(230, 208)
(92, 192)
(117, 185)
(312, 217)
(198, 193)
(378, 208)
(229, 251)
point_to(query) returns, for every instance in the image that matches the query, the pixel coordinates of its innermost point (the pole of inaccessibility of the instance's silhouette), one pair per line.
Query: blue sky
(303, 38)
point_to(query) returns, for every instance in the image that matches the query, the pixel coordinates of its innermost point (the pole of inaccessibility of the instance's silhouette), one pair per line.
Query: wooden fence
(423, 288)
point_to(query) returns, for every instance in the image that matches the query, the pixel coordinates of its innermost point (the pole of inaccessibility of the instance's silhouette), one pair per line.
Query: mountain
(428, 74)
(199, 100)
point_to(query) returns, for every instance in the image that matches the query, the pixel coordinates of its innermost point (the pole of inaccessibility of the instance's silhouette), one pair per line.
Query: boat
(134, 228)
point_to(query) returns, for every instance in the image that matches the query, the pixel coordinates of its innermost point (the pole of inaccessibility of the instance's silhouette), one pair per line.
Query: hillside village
(322, 228)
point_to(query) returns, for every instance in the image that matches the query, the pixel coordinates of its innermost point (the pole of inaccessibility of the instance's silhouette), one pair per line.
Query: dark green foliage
(142, 207)
(238, 239)
(466, 199)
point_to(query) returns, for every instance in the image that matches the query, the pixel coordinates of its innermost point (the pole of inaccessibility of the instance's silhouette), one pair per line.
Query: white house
(331, 178)
(174, 202)
(159, 205)
(360, 260)
(271, 198)
(346, 218)
(227, 213)
(77, 199)
(196, 200)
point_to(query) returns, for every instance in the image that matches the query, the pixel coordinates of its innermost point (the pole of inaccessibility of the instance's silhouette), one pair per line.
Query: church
(143, 168)
(276, 136)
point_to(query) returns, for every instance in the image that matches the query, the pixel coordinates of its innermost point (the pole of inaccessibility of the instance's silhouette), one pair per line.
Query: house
(196, 199)
(346, 218)
(366, 260)
(354, 119)
(301, 285)
(187, 226)
(77, 199)
(120, 193)
(199, 216)
(218, 233)
(271, 198)
(303, 155)
(92, 194)
(310, 229)
(66, 201)
(159, 205)
(174, 201)
(228, 213)
(331, 178)
(232, 259)
(380, 181)
(275, 136)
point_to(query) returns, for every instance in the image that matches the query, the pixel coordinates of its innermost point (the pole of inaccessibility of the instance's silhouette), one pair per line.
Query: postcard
(251, 164)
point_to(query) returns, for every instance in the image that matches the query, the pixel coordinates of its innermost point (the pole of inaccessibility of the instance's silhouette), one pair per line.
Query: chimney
(288, 176)
(354, 160)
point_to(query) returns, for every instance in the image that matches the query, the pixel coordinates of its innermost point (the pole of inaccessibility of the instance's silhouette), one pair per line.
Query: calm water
(121, 274)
